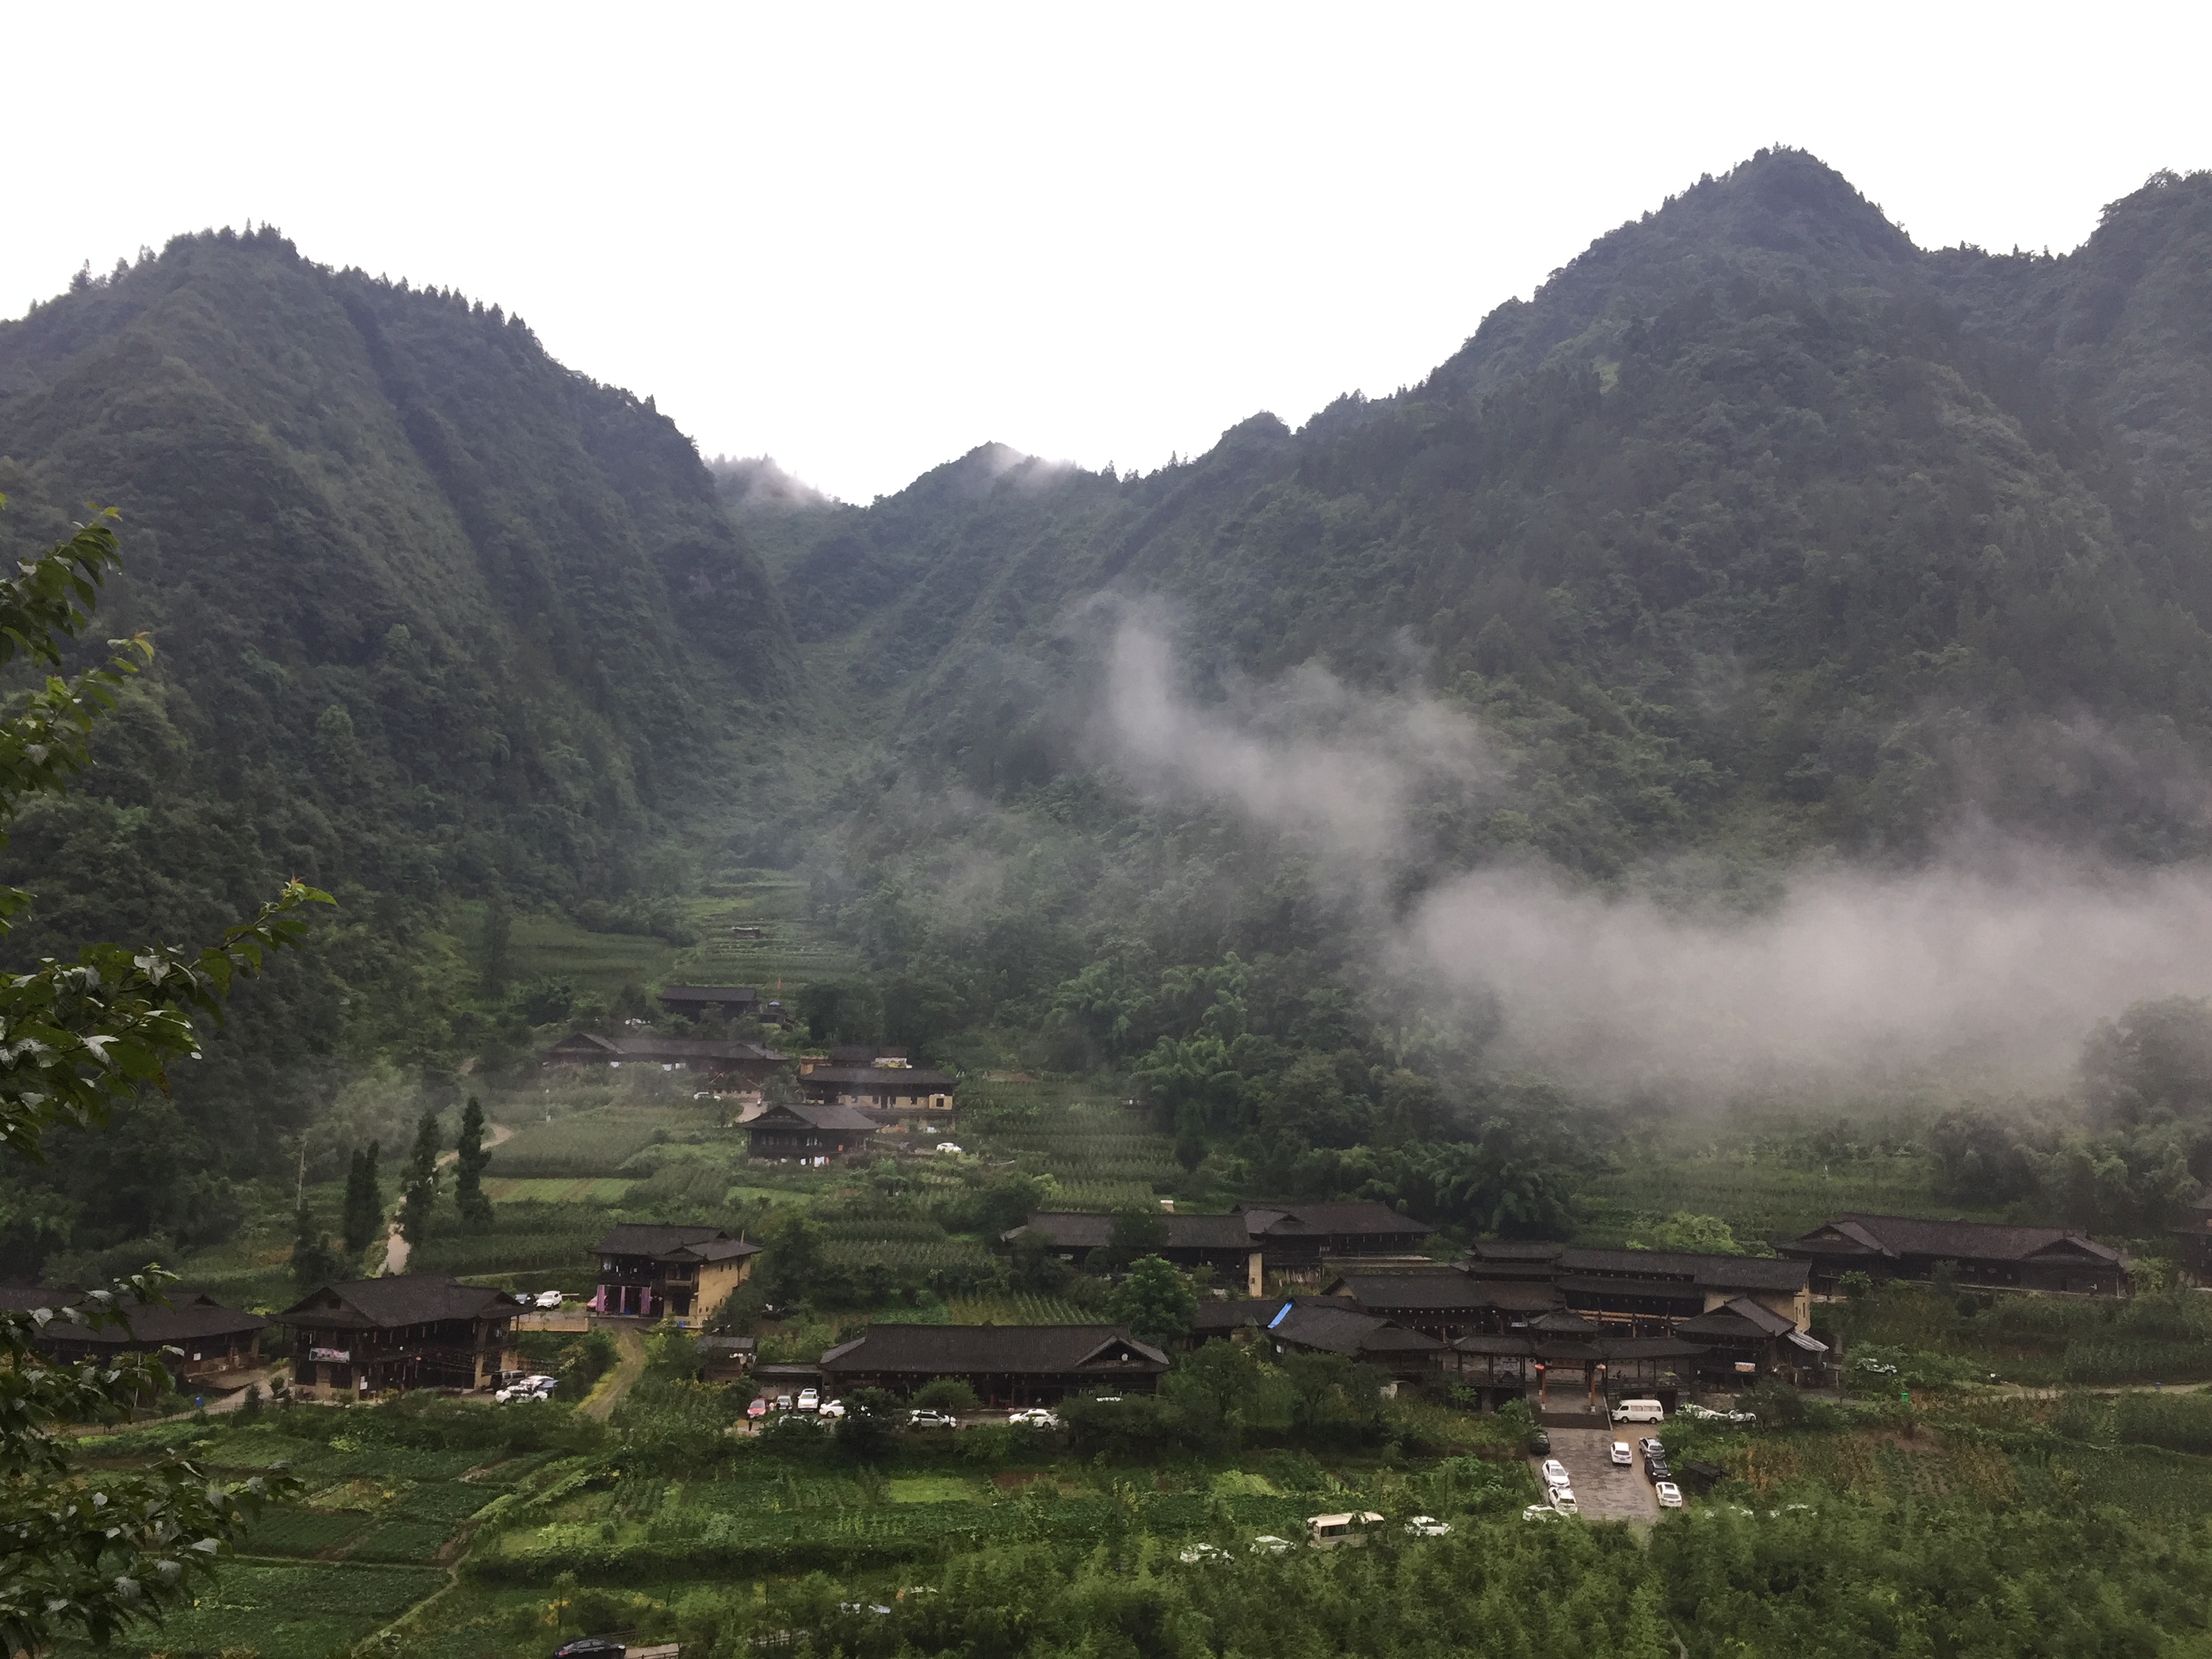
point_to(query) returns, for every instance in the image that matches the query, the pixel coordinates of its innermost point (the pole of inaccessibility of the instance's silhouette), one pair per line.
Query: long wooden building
(370, 1336)
(1006, 1364)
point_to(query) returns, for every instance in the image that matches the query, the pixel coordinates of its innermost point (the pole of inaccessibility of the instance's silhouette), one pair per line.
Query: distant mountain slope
(512, 585)
(1755, 525)
(435, 615)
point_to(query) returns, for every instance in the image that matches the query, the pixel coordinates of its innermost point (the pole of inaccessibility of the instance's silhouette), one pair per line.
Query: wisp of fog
(1991, 961)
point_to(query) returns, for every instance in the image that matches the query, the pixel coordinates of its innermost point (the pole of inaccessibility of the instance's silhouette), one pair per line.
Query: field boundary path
(629, 1366)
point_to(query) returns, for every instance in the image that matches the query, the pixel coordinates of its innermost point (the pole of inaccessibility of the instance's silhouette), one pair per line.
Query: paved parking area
(1602, 1491)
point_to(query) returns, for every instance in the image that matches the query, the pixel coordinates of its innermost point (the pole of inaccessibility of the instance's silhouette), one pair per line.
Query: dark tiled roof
(1358, 1217)
(1234, 1314)
(23, 1298)
(189, 1317)
(1342, 1330)
(1517, 1250)
(898, 1080)
(813, 1115)
(1892, 1235)
(1655, 1289)
(1007, 1350)
(588, 1045)
(399, 1300)
(1520, 1296)
(1083, 1230)
(1704, 1269)
(1561, 1323)
(1483, 1342)
(1208, 1232)
(1449, 1291)
(697, 1242)
(717, 993)
(712, 1343)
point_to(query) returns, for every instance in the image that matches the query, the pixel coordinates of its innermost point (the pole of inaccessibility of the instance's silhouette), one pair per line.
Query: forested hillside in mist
(1755, 521)
(1757, 535)
(434, 617)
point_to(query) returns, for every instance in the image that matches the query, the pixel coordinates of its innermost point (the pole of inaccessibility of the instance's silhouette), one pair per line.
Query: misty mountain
(1755, 526)
(434, 615)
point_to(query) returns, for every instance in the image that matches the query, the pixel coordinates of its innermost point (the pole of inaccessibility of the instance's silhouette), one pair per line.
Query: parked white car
(1036, 1417)
(929, 1420)
(1563, 1499)
(548, 1298)
(1555, 1472)
(1192, 1555)
(1538, 1512)
(952, 1146)
(1706, 1413)
(808, 1400)
(1267, 1544)
(1427, 1526)
(1622, 1457)
(1670, 1495)
(832, 1408)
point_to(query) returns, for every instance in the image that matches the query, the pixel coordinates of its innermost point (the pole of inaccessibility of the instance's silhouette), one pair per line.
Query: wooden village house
(808, 1132)
(1006, 1364)
(879, 1083)
(680, 1273)
(1977, 1252)
(406, 1331)
(195, 1336)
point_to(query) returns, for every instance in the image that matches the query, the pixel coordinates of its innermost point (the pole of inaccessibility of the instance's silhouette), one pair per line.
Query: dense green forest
(1756, 536)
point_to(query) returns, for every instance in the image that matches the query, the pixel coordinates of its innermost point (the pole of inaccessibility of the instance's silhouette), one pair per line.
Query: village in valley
(828, 1265)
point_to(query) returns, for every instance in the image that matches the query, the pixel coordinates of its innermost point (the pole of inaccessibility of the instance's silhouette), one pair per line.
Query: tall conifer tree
(468, 1186)
(364, 1204)
(419, 1191)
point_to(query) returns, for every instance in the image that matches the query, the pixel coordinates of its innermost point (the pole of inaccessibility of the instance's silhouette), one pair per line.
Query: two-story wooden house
(680, 1273)
(407, 1331)
(806, 1133)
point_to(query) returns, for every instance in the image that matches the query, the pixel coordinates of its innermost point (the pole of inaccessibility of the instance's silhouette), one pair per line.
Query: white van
(1639, 1411)
(1326, 1532)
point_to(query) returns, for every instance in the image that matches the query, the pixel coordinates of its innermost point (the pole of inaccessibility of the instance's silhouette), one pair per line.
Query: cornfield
(579, 1145)
(907, 1253)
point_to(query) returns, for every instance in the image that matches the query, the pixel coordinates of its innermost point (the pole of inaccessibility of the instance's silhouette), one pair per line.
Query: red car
(757, 1410)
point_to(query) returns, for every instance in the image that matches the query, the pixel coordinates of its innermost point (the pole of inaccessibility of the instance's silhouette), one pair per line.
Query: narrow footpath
(629, 1366)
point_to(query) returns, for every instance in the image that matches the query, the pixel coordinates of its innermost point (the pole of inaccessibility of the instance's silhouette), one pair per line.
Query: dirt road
(629, 1366)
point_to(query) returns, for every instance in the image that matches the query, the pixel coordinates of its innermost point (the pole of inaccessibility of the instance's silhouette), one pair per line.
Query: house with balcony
(679, 1273)
(370, 1336)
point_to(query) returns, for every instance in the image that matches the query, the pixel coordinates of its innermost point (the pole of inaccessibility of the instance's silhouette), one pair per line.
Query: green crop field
(585, 1145)
(1761, 1201)
(557, 1189)
(541, 946)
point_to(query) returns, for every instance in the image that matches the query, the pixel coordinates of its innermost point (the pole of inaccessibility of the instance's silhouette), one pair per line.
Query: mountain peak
(1784, 216)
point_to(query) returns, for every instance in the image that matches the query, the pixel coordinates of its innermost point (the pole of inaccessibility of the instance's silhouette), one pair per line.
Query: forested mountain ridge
(1755, 521)
(434, 617)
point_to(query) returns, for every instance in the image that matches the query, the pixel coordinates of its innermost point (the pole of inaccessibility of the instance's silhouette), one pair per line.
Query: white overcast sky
(864, 240)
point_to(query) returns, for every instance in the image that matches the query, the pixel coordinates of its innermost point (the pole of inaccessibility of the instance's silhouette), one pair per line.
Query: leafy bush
(2179, 1422)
